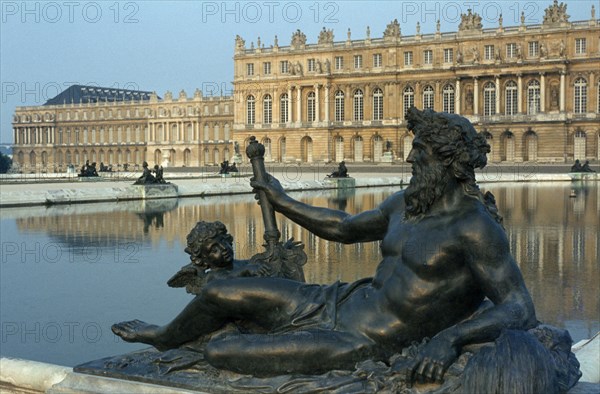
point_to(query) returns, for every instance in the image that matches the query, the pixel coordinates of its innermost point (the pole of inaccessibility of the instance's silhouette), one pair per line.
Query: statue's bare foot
(139, 331)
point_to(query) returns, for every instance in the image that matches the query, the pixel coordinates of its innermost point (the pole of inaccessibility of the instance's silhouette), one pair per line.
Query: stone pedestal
(340, 183)
(167, 190)
(387, 158)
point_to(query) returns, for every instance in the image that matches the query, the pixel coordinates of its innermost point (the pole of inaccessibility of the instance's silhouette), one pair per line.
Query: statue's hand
(271, 187)
(432, 361)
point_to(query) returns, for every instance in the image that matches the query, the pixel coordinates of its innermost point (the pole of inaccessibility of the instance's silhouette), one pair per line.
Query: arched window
(580, 105)
(512, 96)
(339, 106)
(448, 99)
(533, 97)
(408, 98)
(428, 97)
(358, 105)
(267, 109)
(250, 110)
(489, 99)
(310, 107)
(284, 102)
(377, 104)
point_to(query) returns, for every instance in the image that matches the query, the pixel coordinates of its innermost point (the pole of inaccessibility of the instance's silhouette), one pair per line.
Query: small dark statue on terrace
(341, 172)
(88, 170)
(446, 274)
(148, 178)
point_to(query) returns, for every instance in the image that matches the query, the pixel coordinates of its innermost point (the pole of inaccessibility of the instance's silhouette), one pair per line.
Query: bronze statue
(341, 172)
(444, 251)
(147, 177)
(88, 170)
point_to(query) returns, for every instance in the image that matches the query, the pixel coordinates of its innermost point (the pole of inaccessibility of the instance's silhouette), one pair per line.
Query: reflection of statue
(341, 172)
(436, 271)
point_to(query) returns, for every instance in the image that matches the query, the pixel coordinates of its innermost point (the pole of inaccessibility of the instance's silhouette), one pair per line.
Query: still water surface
(68, 272)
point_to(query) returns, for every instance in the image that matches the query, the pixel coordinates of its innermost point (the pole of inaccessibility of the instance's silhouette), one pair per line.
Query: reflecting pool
(68, 272)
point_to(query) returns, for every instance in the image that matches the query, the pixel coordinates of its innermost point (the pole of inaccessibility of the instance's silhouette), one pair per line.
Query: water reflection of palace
(554, 238)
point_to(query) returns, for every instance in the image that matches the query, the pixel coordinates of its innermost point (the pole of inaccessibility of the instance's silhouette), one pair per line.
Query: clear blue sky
(172, 45)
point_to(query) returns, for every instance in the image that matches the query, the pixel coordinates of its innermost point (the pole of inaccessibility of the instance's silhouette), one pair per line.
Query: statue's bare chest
(429, 245)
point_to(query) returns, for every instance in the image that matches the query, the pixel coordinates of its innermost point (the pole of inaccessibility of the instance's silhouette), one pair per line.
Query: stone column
(519, 93)
(15, 135)
(327, 101)
(562, 91)
(542, 92)
(299, 104)
(317, 103)
(457, 97)
(497, 94)
(475, 96)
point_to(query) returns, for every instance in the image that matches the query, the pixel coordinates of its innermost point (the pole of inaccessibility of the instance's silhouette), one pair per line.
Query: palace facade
(532, 89)
(122, 127)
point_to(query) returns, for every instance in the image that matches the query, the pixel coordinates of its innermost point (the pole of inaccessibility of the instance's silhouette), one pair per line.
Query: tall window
(512, 95)
(489, 99)
(580, 86)
(267, 68)
(488, 52)
(268, 109)
(339, 106)
(284, 66)
(408, 58)
(250, 69)
(511, 50)
(534, 49)
(533, 97)
(250, 110)
(580, 46)
(448, 99)
(311, 65)
(358, 105)
(448, 55)
(408, 98)
(284, 103)
(377, 104)
(428, 56)
(339, 62)
(377, 60)
(428, 97)
(310, 107)
(357, 61)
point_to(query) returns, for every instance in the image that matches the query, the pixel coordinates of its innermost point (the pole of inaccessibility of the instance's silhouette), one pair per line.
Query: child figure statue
(211, 252)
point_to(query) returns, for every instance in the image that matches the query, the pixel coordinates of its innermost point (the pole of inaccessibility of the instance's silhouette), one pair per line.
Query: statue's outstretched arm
(326, 223)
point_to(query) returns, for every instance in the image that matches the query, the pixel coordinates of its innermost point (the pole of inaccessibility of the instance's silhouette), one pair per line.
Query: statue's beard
(425, 187)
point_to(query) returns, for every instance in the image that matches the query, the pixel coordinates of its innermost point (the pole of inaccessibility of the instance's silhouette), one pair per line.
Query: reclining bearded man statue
(443, 249)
